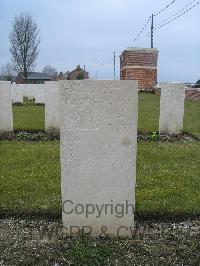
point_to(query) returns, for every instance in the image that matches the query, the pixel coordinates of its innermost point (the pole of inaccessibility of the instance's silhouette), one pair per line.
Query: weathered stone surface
(6, 116)
(98, 156)
(16, 93)
(171, 108)
(52, 117)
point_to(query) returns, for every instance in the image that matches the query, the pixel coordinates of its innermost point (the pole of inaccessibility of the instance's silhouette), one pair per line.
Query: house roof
(36, 76)
(78, 69)
(5, 78)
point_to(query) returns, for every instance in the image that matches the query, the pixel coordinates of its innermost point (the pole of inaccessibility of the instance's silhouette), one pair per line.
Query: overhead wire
(159, 12)
(166, 23)
(142, 30)
(182, 9)
(163, 9)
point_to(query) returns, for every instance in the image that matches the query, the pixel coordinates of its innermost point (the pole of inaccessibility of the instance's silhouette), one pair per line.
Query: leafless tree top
(24, 43)
(48, 69)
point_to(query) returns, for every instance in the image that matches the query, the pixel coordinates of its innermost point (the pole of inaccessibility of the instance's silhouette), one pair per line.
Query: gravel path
(41, 242)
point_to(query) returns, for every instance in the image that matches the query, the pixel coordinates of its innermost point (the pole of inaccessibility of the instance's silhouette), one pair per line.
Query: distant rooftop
(139, 49)
(37, 75)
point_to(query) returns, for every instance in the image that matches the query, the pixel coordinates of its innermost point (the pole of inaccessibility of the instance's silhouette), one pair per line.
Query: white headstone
(52, 118)
(98, 156)
(28, 90)
(6, 116)
(171, 108)
(39, 93)
(17, 93)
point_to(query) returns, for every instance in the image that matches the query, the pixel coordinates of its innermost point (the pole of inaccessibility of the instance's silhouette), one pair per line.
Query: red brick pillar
(140, 64)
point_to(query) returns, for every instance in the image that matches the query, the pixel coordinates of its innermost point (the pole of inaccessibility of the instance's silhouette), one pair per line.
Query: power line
(164, 23)
(163, 9)
(182, 9)
(145, 25)
(138, 35)
(160, 26)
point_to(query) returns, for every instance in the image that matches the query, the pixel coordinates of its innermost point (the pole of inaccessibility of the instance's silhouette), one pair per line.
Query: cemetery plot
(33, 117)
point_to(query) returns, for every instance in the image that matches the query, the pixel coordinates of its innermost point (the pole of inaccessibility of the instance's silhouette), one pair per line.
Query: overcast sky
(86, 32)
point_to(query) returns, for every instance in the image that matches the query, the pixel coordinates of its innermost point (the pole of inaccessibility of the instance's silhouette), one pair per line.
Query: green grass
(192, 118)
(32, 117)
(149, 109)
(167, 177)
(148, 112)
(28, 117)
(30, 177)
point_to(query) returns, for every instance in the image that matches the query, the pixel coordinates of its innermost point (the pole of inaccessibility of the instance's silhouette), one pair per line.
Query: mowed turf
(32, 117)
(167, 178)
(28, 117)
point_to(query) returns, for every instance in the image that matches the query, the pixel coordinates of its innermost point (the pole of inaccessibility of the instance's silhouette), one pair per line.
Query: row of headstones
(31, 91)
(47, 93)
(171, 104)
(98, 131)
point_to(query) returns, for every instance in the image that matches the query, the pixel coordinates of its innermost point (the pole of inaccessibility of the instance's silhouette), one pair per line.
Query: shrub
(80, 76)
(29, 101)
(17, 104)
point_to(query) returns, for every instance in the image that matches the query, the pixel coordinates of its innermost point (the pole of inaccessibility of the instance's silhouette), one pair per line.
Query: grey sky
(87, 32)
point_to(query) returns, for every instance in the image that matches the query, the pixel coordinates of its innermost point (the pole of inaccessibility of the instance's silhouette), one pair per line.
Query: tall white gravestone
(98, 156)
(171, 108)
(6, 116)
(52, 115)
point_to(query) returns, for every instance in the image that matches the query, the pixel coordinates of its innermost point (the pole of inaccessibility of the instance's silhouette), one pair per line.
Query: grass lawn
(167, 177)
(28, 117)
(192, 117)
(32, 117)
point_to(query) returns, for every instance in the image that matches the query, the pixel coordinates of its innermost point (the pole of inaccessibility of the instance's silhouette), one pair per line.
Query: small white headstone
(171, 108)
(98, 156)
(6, 116)
(52, 118)
(39, 93)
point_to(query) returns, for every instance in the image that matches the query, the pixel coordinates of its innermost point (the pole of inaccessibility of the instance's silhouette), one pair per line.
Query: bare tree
(51, 71)
(7, 71)
(24, 43)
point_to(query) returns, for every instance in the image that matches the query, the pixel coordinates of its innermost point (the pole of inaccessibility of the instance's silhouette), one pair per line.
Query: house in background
(32, 78)
(78, 73)
(7, 78)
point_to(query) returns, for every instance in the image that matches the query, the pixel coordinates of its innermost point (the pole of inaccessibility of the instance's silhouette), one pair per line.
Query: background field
(32, 117)
(167, 173)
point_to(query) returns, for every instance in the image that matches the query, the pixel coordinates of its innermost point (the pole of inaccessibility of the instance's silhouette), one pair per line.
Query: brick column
(139, 64)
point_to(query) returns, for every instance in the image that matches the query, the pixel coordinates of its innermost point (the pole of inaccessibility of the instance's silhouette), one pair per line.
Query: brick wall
(139, 64)
(193, 95)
